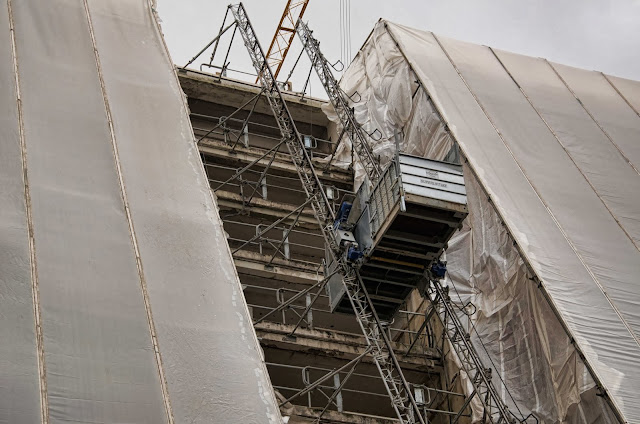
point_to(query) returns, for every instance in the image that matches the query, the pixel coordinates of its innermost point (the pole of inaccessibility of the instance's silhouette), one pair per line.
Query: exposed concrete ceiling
(212, 88)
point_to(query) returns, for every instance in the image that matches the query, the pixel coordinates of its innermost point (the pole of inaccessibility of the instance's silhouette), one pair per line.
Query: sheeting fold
(550, 163)
(143, 317)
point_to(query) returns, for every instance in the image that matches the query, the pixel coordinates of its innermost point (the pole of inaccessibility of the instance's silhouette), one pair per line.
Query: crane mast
(284, 35)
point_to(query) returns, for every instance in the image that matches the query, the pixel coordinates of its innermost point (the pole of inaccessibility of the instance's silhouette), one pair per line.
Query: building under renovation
(451, 237)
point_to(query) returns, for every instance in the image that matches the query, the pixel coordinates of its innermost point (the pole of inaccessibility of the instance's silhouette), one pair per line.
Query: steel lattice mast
(495, 410)
(339, 101)
(395, 383)
(284, 34)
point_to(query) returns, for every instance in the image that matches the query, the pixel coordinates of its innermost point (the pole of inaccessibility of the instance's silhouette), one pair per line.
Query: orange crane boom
(285, 32)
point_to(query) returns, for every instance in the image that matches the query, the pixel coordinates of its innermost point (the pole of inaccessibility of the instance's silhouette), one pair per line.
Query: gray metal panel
(210, 355)
(431, 173)
(362, 230)
(584, 308)
(19, 390)
(434, 193)
(99, 361)
(433, 179)
(335, 288)
(433, 183)
(439, 166)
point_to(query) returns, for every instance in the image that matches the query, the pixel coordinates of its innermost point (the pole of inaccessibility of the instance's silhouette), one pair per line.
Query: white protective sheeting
(19, 391)
(549, 254)
(119, 299)
(629, 90)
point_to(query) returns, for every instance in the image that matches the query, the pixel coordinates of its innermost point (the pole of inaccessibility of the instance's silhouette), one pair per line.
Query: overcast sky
(602, 35)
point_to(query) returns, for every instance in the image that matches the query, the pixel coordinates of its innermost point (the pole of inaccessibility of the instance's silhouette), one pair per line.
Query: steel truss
(395, 383)
(285, 32)
(376, 333)
(340, 104)
(495, 410)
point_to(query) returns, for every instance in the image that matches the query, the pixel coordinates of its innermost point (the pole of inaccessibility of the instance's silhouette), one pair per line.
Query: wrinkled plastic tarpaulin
(110, 313)
(549, 253)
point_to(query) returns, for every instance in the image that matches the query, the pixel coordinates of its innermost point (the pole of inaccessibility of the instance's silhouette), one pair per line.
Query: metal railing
(279, 307)
(224, 129)
(293, 312)
(265, 243)
(386, 193)
(334, 194)
(319, 386)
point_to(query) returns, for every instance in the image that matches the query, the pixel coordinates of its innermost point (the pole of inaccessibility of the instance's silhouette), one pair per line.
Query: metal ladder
(495, 410)
(396, 385)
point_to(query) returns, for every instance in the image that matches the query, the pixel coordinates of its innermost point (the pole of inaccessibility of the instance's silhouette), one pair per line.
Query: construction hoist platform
(401, 219)
(402, 226)
(347, 257)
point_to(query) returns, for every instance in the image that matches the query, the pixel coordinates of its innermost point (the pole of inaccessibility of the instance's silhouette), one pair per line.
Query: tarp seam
(593, 117)
(596, 281)
(555, 135)
(132, 234)
(620, 93)
(538, 195)
(35, 291)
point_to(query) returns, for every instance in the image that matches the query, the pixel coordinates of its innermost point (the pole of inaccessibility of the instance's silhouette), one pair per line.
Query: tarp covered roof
(119, 299)
(556, 151)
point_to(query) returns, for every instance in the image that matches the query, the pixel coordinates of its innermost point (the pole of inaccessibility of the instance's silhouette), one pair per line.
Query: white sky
(603, 35)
